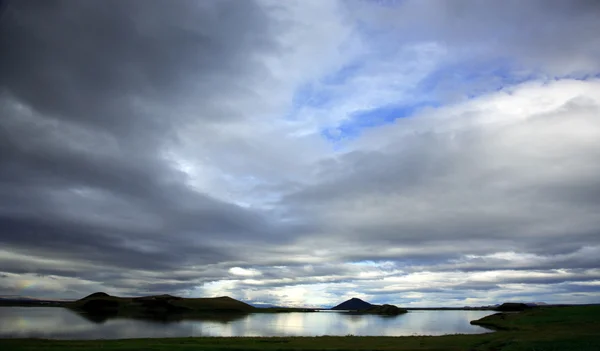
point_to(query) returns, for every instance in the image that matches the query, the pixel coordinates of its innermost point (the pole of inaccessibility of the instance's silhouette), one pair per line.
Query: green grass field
(543, 329)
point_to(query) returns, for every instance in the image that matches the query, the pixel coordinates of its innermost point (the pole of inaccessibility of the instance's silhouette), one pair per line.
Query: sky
(300, 153)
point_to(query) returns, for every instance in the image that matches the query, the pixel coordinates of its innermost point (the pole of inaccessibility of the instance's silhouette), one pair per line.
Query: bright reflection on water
(58, 323)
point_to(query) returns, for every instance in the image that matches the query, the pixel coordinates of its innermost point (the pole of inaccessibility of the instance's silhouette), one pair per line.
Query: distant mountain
(263, 305)
(354, 304)
(15, 300)
(19, 298)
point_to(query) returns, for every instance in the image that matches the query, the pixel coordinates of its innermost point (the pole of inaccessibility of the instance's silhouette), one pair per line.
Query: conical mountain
(354, 304)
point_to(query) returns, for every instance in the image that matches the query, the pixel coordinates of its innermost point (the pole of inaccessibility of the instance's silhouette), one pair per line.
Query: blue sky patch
(364, 119)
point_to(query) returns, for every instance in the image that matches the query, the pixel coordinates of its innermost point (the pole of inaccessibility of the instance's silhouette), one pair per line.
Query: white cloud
(245, 272)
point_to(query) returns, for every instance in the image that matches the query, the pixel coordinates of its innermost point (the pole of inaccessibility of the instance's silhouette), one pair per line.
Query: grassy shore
(543, 329)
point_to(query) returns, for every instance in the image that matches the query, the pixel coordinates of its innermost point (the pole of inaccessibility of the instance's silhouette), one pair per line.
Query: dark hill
(388, 310)
(158, 304)
(512, 307)
(96, 295)
(354, 304)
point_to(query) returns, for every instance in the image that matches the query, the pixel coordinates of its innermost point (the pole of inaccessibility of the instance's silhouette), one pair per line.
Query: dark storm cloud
(88, 92)
(545, 279)
(584, 258)
(156, 288)
(72, 240)
(87, 61)
(577, 278)
(579, 288)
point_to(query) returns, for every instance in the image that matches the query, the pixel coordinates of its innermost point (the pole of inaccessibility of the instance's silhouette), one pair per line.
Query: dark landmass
(514, 307)
(29, 302)
(354, 304)
(358, 306)
(565, 328)
(102, 304)
(568, 316)
(387, 310)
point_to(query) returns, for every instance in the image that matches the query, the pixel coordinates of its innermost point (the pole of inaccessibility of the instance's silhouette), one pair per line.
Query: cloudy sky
(301, 152)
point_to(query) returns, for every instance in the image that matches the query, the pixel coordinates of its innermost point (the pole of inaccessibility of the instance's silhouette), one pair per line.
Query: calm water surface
(59, 323)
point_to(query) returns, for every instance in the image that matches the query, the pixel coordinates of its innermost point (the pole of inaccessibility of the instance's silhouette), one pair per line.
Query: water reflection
(60, 323)
(165, 318)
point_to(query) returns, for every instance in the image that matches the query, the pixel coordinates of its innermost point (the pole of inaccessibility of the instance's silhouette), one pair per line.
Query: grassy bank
(547, 329)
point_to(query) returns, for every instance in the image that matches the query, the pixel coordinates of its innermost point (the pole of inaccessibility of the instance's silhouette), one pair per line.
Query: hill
(513, 307)
(105, 304)
(354, 304)
(388, 310)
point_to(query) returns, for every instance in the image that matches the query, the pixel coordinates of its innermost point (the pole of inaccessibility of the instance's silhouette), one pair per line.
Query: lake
(59, 323)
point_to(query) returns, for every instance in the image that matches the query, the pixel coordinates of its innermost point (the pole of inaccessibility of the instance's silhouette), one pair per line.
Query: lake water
(59, 323)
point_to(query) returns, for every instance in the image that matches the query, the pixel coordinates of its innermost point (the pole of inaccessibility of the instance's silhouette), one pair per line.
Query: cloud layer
(417, 153)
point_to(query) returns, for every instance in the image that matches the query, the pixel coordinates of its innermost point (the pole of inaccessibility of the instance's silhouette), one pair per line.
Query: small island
(358, 306)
